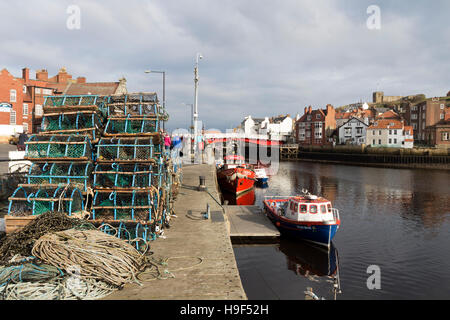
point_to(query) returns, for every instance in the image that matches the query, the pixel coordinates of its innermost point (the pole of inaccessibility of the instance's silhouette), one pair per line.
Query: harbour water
(396, 219)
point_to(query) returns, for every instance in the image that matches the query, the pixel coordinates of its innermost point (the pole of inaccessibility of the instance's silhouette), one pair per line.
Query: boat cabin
(309, 208)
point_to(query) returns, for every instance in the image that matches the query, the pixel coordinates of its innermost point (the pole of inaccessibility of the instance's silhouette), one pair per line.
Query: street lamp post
(199, 56)
(164, 87)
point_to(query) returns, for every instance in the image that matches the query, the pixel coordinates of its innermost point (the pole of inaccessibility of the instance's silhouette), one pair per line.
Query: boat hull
(318, 233)
(229, 181)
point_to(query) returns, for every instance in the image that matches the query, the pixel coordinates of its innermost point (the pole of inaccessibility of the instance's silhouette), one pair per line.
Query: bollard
(202, 185)
(208, 212)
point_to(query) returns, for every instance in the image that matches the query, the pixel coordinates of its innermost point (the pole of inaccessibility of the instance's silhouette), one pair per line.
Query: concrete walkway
(200, 251)
(249, 224)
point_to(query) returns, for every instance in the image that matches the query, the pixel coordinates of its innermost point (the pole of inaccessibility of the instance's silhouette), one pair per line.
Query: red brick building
(424, 114)
(439, 134)
(315, 127)
(22, 99)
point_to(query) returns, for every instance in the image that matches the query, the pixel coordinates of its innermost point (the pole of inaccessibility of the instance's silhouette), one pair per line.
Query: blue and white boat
(307, 217)
(261, 176)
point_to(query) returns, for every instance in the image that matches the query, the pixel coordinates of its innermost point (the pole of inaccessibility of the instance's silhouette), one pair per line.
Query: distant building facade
(22, 99)
(352, 132)
(424, 114)
(390, 133)
(315, 127)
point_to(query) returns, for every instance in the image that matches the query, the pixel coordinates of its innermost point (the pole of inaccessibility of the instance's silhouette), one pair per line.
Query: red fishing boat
(235, 175)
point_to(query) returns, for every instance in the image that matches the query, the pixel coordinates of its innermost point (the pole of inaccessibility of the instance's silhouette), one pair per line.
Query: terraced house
(22, 98)
(391, 133)
(315, 127)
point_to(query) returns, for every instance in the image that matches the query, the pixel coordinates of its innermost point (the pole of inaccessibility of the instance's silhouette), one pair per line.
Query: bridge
(260, 139)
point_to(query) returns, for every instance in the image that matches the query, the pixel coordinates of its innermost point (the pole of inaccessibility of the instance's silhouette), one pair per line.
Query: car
(14, 139)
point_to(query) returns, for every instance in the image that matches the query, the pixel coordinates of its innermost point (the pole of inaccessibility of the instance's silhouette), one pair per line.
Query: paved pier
(248, 224)
(189, 239)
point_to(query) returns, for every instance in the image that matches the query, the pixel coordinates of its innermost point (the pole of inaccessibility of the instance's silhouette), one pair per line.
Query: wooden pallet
(16, 223)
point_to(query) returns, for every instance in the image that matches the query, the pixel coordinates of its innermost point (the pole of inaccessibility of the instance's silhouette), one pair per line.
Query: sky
(260, 58)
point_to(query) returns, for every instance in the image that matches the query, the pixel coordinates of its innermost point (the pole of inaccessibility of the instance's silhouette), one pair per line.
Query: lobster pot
(75, 173)
(135, 104)
(128, 149)
(129, 205)
(128, 126)
(129, 176)
(58, 147)
(77, 100)
(75, 122)
(29, 200)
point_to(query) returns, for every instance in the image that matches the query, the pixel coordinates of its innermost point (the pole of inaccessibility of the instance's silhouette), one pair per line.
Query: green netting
(76, 173)
(58, 146)
(35, 200)
(136, 126)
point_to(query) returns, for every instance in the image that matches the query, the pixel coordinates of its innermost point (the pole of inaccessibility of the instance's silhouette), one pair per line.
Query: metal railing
(336, 214)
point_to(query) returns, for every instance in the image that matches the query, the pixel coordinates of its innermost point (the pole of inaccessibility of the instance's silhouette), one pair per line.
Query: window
(303, 208)
(390, 140)
(25, 109)
(379, 132)
(37, 90)
(296, 207)
(414, 126)
(308, 118)
(323, 208)
(317, 116)
(38, 110)
(313, 209)
(47, 91)
(373, 141)
(424, 124)
(390, 131)
(395, 131)
(24, 89)
(414, 116)
(329, 207)
(424, 115)
(12, 95)
(445, 136)
(442, 106)
(414, 108)
(395, 141)
(25, 127)
(292, 206)
(12, 117)
(379, 141)
(442, 116)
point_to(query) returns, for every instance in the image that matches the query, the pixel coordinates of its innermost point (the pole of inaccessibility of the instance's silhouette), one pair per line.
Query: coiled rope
(96, 255)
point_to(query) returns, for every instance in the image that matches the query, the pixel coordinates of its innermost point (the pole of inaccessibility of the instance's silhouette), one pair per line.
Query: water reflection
(397, 219)
(307, 260)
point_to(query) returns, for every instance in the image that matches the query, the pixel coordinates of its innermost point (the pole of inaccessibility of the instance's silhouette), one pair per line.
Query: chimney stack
(42, 75)
(309, 109)
(26, 74)
(81, 80)
(306, 110)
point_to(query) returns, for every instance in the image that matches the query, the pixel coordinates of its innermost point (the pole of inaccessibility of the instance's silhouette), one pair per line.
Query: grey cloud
(261, 57)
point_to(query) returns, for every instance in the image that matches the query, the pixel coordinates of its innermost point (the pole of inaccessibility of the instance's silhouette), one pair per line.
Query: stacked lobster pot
(62, 155)
(130, 170)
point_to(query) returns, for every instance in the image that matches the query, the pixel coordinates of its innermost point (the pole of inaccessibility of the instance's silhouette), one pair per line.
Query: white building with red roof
(390, 132)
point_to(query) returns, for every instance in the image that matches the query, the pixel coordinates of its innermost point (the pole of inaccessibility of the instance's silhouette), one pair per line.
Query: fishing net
(36, 200)
(110, 176)
(81, 100)
(21, 241)
(75, 173)
(131, 126)
(130, 205)
(49, 147)
(135, 104)
(123, 149)
(78, 123)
